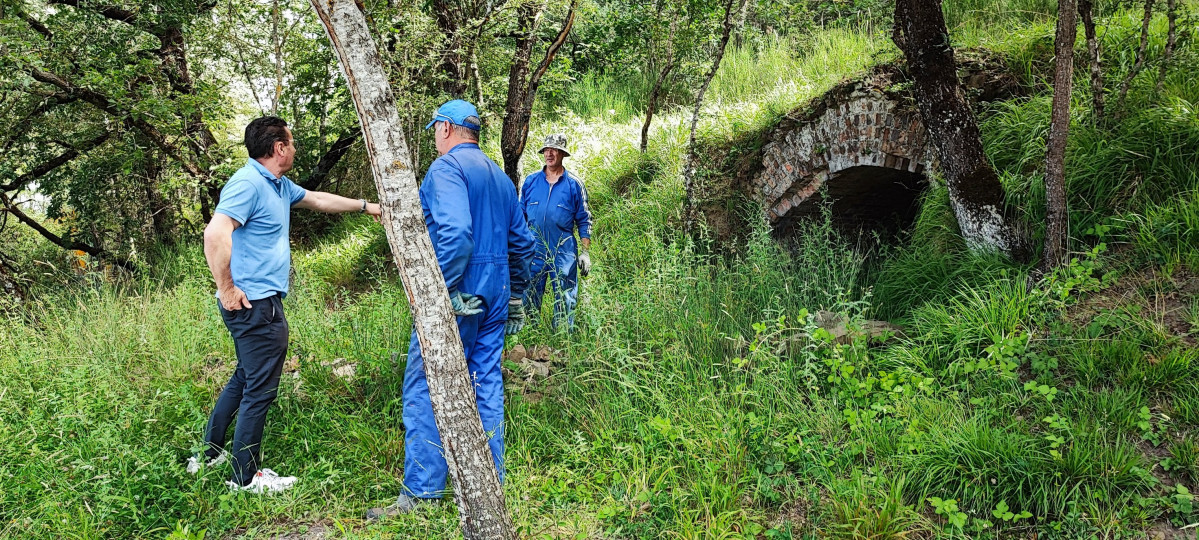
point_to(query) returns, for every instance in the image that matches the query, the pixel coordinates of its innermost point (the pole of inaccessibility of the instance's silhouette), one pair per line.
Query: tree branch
(58, 161)
(550, 53)
(325, 166)
(110, 12)
(64, 243)
(52, 101)
(35, 24)
(102, 102)
(1140, 58)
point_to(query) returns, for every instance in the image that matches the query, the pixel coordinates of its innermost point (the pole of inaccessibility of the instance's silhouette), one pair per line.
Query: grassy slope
(686, 407)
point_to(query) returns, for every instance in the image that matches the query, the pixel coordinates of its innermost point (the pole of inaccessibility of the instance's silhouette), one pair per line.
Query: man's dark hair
(263, 133)
(465, 132)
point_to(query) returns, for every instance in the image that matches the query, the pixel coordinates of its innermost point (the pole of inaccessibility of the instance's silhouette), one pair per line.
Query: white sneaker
(193, 463)
(265, 481)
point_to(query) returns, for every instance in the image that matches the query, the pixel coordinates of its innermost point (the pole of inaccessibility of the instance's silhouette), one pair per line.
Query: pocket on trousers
(236, 315)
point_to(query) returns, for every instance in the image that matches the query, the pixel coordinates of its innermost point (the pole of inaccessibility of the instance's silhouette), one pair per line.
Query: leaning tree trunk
(521, 95)
(477, 489)
(652, 103)
(690, 164)
(1171, 40)
(511, 146)
(975, 193)
(1057, 219)
(1086, 11)
(1140, 58)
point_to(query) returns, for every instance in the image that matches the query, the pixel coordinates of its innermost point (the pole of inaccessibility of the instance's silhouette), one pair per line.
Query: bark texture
(652, 103)
(477, 490)
(451, 57)
(1057, 218)
(975, 194)
(522, 86)
(1086, 11)
(1171, 40)
(690, 164)
(1140, 61)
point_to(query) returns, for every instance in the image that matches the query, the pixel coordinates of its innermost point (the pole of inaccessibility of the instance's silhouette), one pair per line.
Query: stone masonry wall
(863, 127)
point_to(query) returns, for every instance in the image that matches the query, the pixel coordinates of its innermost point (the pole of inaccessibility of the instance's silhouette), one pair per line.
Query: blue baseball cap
(455, 112)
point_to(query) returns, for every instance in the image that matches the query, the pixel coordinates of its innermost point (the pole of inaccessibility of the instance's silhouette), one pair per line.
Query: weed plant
(698, 396)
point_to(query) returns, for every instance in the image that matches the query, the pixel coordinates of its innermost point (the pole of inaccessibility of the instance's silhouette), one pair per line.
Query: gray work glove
(465, 305)
(584, 263)
(516, 317)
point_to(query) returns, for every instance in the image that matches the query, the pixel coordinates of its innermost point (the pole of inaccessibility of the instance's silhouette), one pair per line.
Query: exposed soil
(1162, 300)
(1166, 531)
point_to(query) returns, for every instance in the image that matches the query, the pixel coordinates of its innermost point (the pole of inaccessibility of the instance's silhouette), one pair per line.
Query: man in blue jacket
(555, 202)
(483, 246)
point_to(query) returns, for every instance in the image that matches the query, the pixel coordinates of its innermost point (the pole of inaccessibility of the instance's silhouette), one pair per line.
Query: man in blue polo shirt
(555, 201)
(483, 247)
(249, 254)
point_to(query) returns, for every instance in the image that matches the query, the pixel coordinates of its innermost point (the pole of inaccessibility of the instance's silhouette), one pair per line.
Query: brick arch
(860, 128)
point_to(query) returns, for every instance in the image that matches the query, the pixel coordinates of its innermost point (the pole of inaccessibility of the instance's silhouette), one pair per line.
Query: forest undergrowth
(698, 397)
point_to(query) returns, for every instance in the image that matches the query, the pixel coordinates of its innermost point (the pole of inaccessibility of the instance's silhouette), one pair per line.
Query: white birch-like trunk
(477, 490)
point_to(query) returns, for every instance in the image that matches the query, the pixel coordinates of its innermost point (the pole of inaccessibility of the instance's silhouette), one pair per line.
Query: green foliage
(949, 509)
(873, 508)
(699, 396)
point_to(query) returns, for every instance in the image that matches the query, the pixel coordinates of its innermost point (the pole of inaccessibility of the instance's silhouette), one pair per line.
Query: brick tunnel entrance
(863, 199)
(860, 150)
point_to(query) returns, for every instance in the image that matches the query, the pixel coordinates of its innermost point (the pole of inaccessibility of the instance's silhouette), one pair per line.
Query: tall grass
(697, 397)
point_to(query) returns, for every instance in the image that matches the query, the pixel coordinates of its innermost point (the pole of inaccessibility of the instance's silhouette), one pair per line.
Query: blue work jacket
(554, 212)
(479, 233)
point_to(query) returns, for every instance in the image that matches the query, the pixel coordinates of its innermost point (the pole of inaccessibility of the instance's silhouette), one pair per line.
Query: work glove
(516, 317)
(465, 305)
(584, 263)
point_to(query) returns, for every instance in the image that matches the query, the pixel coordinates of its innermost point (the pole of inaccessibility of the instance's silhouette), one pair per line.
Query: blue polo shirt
(261, 203)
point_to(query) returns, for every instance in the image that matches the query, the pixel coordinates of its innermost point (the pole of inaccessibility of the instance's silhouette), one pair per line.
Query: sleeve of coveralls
(449, 208)
(582, 212)
(520, 251)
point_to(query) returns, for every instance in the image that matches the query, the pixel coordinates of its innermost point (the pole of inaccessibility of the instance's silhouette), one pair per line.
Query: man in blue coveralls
(555, 202)
(483, 246)
(249, 254)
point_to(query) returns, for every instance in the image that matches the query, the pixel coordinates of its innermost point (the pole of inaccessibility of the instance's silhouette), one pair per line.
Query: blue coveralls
(554, 212)
(484, 247)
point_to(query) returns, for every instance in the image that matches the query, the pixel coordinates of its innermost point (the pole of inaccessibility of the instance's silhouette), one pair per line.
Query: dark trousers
(260, 339)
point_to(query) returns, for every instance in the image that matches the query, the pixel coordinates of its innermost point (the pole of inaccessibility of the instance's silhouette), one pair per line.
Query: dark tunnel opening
(863, 200)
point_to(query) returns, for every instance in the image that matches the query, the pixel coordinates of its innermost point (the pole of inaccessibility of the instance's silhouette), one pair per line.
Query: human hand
(233, 298)
(584, 263)
(375, 210)
(465, 305)
(516, 317)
